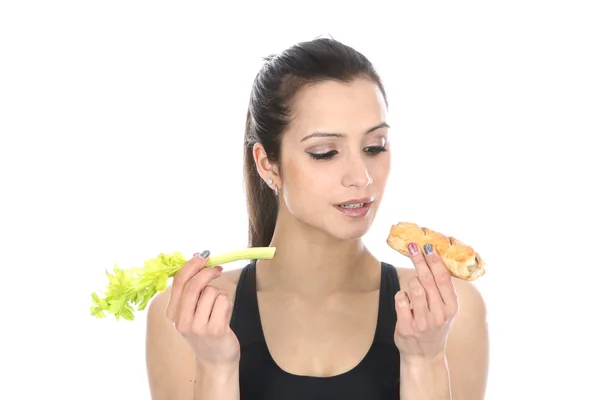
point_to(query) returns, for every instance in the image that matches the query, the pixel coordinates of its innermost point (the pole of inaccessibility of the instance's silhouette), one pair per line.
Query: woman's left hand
(426, 309)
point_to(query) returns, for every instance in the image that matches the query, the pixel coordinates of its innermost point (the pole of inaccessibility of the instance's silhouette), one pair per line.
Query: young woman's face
(336, 152)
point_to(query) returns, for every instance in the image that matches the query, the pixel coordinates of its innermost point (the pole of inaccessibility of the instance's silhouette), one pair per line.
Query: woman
(324, 319)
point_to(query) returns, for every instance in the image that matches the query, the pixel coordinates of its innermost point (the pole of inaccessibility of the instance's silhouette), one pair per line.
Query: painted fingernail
(219, 268)
(428, 248)
(413, 249)
(204, 254)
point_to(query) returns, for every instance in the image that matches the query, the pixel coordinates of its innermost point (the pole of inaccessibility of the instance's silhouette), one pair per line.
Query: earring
(276, 191)
(269, 181)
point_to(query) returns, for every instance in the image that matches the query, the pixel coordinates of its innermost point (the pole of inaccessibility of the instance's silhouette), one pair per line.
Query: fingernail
(413, 249)
(428, 248)
(204, 254)
(402, 299)
(219, 268)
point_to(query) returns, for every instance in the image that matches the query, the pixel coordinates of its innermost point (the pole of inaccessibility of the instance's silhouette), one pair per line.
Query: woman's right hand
(200, 313)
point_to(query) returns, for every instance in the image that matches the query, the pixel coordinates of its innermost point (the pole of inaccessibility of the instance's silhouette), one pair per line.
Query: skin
(324, 274)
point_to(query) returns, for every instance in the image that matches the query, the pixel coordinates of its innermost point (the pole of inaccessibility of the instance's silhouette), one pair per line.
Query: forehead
(337, 106)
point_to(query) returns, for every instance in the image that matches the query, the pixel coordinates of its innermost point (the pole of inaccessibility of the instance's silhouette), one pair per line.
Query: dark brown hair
(270, 111)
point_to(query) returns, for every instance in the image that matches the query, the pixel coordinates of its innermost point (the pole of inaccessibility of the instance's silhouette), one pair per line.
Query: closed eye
(323, 156)
(371, 150)
(374, 150)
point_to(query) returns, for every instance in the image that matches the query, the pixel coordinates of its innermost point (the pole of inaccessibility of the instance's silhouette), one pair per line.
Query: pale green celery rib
(252, 253)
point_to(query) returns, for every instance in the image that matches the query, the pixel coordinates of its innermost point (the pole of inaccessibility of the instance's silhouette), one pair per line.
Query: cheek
(383, 169)
(380, 167)
(303, 181)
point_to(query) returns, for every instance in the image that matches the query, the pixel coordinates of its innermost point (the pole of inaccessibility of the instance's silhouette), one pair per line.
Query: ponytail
(261, 202)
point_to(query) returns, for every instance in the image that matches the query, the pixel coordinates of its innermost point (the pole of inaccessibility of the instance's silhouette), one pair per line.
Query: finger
(403, 313)
(434, 302)
(441, 275)
(192, 293)
(206, 303)
(426, 278)
(418, 260)
(189, 269)
(419, 301)
(219, 317)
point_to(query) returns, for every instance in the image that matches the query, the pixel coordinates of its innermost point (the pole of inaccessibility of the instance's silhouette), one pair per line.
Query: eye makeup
(370, 150)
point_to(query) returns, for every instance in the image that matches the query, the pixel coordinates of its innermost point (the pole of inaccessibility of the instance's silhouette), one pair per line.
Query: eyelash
(371, 150)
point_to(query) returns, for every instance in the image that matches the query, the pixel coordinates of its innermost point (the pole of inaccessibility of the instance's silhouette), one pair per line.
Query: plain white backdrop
(121, 128)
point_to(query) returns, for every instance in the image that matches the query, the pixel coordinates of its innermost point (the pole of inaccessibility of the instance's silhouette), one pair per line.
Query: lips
(355, 211)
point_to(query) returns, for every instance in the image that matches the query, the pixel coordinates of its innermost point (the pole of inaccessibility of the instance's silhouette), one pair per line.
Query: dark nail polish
(204, 254)
(428, 248)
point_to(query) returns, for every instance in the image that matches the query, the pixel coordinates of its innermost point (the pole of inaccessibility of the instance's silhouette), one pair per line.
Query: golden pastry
(461, 260)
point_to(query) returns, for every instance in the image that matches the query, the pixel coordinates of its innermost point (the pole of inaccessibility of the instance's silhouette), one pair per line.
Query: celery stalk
(253, 253)
(137, 286)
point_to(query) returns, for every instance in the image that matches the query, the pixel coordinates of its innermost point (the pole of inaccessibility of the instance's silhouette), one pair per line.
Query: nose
(357, 174)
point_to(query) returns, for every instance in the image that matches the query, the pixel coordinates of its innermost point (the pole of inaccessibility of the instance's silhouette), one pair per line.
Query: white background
(121, 129)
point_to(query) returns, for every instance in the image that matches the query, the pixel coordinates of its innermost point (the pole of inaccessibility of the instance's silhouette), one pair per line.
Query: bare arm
(170, 362)
(460, 372)
(425, 379)
(467, 349)
(217, 383)
(173, 372)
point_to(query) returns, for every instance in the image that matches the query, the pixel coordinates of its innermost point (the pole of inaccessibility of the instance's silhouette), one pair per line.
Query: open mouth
(356, 208)
(359, 205)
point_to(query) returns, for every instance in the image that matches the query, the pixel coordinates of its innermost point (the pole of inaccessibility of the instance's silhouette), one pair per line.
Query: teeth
(352, 205)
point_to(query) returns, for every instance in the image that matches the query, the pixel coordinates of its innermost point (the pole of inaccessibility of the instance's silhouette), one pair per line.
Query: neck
(311, 263)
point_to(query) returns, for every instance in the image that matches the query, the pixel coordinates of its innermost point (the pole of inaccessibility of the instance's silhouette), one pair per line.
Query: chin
(355, 230)
(344, 228)
(349, 234)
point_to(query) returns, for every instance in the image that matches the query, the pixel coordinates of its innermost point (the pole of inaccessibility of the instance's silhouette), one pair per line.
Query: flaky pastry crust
(461, 260)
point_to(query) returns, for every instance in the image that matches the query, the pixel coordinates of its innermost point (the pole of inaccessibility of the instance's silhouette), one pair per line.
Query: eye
(374, 150)
(323, 156)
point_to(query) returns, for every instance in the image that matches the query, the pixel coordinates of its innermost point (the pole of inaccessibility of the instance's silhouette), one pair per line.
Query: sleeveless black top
(376, 377)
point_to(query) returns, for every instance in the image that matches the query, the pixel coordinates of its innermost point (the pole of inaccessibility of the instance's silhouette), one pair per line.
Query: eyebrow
(335, 134)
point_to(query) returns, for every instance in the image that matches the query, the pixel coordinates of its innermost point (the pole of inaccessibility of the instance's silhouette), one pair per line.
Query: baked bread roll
(461, 260)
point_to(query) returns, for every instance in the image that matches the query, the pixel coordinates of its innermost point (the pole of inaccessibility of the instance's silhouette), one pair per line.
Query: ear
(265, 168)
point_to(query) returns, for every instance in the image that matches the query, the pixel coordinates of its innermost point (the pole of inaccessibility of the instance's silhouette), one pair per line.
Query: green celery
(137, 286)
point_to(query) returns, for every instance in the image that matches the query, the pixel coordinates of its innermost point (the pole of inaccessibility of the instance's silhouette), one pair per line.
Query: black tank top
(376, 377)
